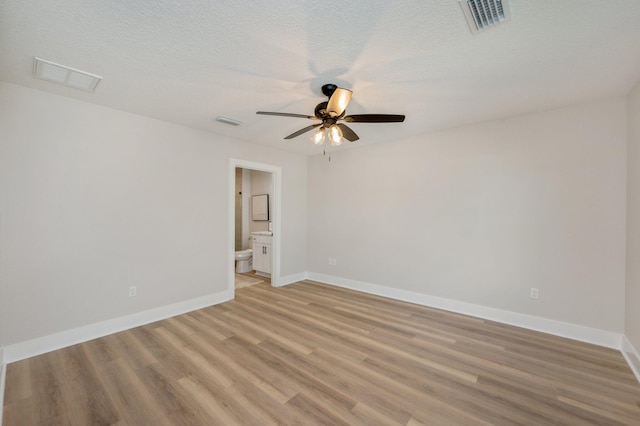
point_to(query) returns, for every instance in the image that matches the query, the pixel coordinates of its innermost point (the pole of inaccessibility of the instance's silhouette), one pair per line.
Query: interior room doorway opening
(243, 229)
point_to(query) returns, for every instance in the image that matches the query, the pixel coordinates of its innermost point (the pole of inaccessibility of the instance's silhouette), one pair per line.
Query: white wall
(632, 310)
(94, 200)
(482, 213)
(261, 183)
(239, 207)
(246, 211)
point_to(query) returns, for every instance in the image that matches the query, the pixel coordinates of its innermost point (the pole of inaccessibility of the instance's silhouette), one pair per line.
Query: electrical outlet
(534, 293)
(332, 262)
(133, 291)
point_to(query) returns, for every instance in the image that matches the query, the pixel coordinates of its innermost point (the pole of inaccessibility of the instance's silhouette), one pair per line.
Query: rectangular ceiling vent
(481, 14)
(228, 120)
(56, 73)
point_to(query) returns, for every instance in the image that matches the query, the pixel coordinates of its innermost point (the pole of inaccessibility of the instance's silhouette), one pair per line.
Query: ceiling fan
(331, 114)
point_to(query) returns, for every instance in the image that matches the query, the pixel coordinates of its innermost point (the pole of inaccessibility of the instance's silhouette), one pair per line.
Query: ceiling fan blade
(374, 118)
(287, 114)
(347, 133)
(338, 102)
(301, 131)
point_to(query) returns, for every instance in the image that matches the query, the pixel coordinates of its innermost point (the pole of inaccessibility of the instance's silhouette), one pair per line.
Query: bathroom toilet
(243, 260)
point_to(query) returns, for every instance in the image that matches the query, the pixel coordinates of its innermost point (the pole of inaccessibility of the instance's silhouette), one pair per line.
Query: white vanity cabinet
(262, 254)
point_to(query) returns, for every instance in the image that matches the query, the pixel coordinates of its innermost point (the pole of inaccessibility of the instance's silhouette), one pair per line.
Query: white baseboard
(40, 345)
(572, 331)
(290, 279)
(632, 356)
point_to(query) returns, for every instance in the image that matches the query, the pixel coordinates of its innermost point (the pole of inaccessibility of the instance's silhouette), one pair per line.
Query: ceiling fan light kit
(333, 133)
(318, 136)
(338, 102)
(330, 113)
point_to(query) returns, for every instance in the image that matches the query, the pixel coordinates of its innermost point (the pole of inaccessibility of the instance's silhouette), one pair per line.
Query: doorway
(237, 239)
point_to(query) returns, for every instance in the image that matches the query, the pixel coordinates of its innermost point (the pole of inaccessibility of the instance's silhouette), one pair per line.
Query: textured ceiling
(189, 61)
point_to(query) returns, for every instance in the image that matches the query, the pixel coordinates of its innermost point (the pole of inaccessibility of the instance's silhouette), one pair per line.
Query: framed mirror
(260, 207)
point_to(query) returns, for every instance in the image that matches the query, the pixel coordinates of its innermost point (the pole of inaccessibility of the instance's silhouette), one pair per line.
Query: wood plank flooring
(312, 354)
(246, 279)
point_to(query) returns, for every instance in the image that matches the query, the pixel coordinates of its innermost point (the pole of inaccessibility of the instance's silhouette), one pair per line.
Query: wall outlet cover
(534, 293)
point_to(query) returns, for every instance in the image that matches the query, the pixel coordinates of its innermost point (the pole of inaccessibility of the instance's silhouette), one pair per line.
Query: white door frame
(276, 181)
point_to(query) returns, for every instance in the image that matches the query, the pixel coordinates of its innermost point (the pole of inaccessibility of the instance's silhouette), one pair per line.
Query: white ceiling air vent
(56, 73)
(227, 120)
(481, 14)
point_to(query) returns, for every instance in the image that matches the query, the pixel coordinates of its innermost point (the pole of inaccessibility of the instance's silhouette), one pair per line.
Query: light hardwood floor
(314, 354)
(247, 279)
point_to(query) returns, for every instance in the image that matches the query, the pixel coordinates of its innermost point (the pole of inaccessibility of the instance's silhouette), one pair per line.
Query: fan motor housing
(321, 112)
(321, 109)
